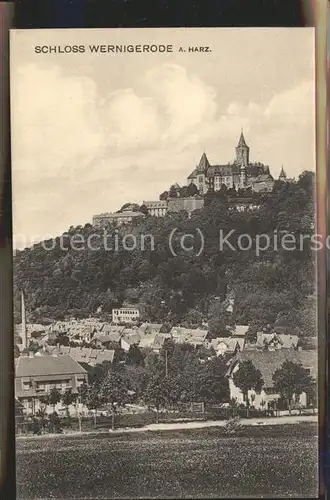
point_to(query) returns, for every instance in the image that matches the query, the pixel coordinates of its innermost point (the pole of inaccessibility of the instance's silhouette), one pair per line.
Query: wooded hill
(275, 287)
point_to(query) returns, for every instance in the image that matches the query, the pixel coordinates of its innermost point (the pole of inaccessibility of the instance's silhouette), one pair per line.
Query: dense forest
(275, 286)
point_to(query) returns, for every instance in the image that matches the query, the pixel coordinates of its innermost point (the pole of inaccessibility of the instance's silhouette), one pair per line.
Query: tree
(172, 192)
(68, 398)
(143, 209)
(89, 396)
(192, 189)
(163, 196)
(135, 356)
(114, 391)
(183, 192)
(62, 339)
(52, 398)
(156, 393)
(212, 386)
(291, 380)
(248, 378)
(17, 352)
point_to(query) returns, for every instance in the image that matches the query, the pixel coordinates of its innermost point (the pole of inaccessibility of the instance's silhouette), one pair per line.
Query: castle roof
(241, 142)
(264, 178)
(282, 173)
(193, 174)
(203, 163)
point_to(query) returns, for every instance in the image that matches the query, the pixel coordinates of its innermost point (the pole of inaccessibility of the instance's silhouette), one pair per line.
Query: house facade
(35, 376)
(116, 218)
(156, 208)
(125, 315)
(267, 362)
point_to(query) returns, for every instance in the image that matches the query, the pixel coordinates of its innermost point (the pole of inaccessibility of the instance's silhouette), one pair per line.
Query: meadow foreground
(279, 461)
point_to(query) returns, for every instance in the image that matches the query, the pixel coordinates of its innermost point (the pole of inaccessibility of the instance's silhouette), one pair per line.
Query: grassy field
(279, 461)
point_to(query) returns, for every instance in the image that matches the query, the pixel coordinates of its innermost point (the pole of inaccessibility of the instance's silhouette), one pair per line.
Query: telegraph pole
(166, 364)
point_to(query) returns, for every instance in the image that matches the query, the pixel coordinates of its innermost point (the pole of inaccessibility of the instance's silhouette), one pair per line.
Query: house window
(26, 386)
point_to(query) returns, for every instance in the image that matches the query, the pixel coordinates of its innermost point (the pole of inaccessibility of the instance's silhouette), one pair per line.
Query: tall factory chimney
(24, 329)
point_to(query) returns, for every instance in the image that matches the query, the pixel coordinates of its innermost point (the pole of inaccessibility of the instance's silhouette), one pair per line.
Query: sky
(91, 132)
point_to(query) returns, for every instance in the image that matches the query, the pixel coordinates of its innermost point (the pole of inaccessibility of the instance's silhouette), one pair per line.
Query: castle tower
(242, 151)
(24, 329)
(282, 176)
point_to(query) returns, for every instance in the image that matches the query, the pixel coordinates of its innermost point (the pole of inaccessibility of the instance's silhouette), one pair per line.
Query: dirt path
(295, 419)
(244, 421)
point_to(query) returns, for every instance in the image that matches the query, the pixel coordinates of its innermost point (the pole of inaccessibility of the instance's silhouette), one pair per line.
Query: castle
(240, 174)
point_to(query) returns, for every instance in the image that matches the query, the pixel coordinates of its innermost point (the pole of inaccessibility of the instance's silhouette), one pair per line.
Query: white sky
(93, 131)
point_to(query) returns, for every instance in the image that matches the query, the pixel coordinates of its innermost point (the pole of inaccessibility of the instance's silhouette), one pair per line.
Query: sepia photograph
(165, 247)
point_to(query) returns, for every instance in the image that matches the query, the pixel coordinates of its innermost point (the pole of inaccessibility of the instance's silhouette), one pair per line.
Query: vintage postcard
(165, 246)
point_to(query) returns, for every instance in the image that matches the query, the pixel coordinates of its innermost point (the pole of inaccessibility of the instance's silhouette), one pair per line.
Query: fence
(184, 412)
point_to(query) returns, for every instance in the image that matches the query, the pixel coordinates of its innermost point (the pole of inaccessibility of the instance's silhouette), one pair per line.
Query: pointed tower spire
(23, 314)
(282, 174)
(203, 163)
(241, 142)
(242, 151)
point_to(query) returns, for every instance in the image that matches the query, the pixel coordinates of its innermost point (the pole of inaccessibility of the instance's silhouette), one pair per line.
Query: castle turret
(282, 176)
(242, 151)
(203, 163)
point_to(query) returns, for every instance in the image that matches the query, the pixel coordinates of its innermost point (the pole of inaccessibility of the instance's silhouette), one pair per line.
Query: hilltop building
(283, 177)
(125, 315)
(240, 174)
(156, 208)
(124, 216)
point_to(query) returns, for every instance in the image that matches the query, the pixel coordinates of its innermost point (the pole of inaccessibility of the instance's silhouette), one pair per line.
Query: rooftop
(269, 361)
(46, 365)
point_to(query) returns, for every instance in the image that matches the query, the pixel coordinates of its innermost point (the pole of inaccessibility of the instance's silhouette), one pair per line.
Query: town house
(35, 376)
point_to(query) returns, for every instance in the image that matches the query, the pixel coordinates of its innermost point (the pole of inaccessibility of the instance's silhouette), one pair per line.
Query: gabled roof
(264, 178)
(47, 365)
(151, 326)
(240, 331)
(286, 341)
(270, 361)
(132, 337)
(152, 341)
(193, 174)
(193, 336)
(230, 343)
(108, 337)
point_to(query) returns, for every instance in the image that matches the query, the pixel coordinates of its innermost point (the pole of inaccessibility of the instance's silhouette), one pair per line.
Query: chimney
(23, 315)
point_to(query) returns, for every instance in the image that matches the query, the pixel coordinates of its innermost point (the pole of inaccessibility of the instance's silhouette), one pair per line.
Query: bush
(232, 426)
